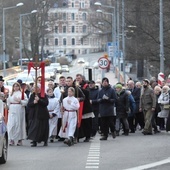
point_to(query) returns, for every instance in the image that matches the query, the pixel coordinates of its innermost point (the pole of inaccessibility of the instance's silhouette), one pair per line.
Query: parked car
(65, 68)
(50, 73)
(3, 137)
(81, 60)
(56, 67)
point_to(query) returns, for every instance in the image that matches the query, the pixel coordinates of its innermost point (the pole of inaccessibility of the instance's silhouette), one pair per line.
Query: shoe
(12, 143)
(45, 144)
(132, 131)
(65, 141)
(156, 131)
(61, 139)
(19, 143)
(117, 133)
(103, 138)
(75, 140)
(70, 141)
(87, 140)
(34, 144)
(51, 140)
(147, 133)
(113, 135)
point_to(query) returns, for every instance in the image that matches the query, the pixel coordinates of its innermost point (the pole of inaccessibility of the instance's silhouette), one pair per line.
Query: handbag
(166, 106)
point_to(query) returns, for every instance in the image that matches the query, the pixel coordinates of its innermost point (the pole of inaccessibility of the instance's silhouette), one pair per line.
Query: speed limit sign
(103, 62)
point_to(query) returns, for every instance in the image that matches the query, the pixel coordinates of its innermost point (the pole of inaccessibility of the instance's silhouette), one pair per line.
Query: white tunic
(53, 107)
(16, 116)
(69, 121)
(57, 94)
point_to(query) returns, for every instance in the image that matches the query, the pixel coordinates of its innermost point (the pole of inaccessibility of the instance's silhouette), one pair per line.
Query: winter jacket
(93, 96)
(106, 99)
(122, 104)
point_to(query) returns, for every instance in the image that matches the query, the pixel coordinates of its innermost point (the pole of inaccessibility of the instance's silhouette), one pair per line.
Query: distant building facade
(71, 31)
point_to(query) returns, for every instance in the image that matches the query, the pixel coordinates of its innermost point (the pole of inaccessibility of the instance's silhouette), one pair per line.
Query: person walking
(147, 105)
(69, 107)
(38, 117)
(94, 90)
(122, 109)
(16, 118)
(54, 110)
(106, 99)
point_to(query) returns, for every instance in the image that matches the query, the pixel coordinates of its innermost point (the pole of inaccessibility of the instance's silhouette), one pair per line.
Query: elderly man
(139, 118)
(147, 105)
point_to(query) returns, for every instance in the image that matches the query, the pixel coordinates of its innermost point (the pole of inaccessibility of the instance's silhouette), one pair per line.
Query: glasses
(16, 86)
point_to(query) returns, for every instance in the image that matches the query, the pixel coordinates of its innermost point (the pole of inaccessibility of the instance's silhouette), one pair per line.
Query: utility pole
(161, 37)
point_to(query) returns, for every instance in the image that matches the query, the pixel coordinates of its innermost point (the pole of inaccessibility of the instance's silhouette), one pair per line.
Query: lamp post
(20, 44)
(3, 32)
(161, 37)
(113, 26)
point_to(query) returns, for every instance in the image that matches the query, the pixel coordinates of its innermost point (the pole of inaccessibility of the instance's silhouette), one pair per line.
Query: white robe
(53, 107)
(57, 94)
(16, 117)
(69, 120)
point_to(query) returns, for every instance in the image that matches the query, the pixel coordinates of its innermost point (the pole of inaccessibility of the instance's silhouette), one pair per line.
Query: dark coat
(93, 96)
(122, 104)
(136, 95)
(132, 103)
(38, 119)
(106, 106)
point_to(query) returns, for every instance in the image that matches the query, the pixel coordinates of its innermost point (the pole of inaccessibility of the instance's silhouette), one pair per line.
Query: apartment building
(71, 31)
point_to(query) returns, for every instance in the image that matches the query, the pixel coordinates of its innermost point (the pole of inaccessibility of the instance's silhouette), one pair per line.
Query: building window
(81, 41)
(84, 16)
(64, 4)
(72, 5)
(55, 15)
(84, 28)
(64, 29)
(56, 29)
(47, 41)
(73, 29)
(64, 41)
(64, 16)
(72, 16)
(56, 42)
(73, 41)
(81, 4)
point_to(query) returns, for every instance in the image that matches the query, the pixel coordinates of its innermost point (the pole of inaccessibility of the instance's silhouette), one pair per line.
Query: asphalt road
(133, 152)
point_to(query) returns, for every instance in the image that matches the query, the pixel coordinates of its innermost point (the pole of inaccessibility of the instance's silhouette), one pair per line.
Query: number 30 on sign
(103, 62)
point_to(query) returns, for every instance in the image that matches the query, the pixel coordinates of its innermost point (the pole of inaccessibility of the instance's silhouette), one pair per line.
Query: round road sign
(103, 62)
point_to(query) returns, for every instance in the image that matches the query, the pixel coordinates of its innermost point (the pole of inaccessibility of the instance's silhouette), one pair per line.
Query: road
(133, 152)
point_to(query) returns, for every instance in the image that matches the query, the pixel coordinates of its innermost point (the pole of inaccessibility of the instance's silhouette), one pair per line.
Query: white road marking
(93, 156)
(151, 165)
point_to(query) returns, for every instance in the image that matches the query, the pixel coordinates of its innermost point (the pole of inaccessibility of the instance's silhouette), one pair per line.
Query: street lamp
(20, 46)
(3, 32)
(113, 26)
(113, 30)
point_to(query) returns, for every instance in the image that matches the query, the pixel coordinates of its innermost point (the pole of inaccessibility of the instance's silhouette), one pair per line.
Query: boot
(34, 144)
(113, 134)
(103, 138)
(46, 143)
(126, 133)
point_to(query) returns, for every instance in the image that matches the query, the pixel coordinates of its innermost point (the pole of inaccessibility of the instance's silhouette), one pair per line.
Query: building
(71, 31)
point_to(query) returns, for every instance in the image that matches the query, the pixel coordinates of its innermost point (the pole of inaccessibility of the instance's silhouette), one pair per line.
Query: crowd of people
(76, 109)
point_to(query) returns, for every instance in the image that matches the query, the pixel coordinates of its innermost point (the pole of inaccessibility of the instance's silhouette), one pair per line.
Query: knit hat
(118, 86)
